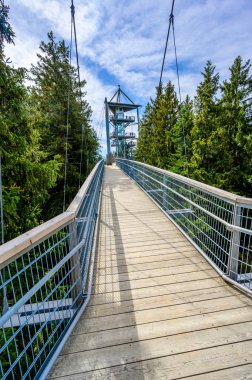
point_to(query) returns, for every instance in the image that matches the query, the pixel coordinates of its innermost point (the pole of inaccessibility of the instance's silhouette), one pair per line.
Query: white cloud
(123, 41)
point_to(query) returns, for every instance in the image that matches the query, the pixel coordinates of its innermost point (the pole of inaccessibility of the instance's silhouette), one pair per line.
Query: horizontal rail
(229, 226)
(43, 283)
(234, 198)
(16, 247)
(38, 285)
(217, 223)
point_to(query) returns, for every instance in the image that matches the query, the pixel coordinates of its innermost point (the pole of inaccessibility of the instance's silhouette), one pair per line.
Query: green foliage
(49, 104)
(203, 160)
(209, 139)
(181, 138)
(6, 31)
(236, 129)
(155, 145)
(28, 174)
(33, 124)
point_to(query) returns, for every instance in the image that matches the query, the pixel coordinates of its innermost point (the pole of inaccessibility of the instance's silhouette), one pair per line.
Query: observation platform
(158, 309)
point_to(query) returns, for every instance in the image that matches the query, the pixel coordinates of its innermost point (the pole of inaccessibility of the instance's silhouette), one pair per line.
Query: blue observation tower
(119, 113)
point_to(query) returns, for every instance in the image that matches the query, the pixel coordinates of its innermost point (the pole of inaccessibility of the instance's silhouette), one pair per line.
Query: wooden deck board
(158, 309)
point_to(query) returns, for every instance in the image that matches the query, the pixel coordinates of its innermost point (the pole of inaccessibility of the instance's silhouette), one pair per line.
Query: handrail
(53, 358)
(216, 222)
(44, 278)
(39, 285)
(14, 248)
(200, 185)
(229, 226)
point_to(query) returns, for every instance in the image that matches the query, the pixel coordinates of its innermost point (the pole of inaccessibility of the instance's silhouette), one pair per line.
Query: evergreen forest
(43, 111)
(208, 138)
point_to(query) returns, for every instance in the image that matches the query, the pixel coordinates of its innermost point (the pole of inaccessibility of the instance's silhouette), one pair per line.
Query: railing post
(235, 245)
(164, 192)
(144, 180)
(75, 263)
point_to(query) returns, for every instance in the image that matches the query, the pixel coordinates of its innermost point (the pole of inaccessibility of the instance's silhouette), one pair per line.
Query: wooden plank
(191, 313)
(149, 256)
(154, 291)
(131, 227)
(150, 349)
(120, 307)
(234, 358)
(158, 309)
(116, 277)
(242, 371)
(180, 242)
(149, 282)
(108, 267)
(166, 236)
(148, 250)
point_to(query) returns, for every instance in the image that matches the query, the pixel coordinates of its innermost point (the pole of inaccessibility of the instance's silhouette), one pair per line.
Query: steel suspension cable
(83, 134)
(67, 119)
(180, 98)
(166, 43)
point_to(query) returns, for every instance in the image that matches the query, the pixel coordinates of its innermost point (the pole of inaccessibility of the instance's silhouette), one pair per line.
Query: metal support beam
(109, 156)
(138, 119)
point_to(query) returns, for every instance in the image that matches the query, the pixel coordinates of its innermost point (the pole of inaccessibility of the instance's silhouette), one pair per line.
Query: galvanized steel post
(235, 245)
(109, 157)
(164, 192)
(75, 263)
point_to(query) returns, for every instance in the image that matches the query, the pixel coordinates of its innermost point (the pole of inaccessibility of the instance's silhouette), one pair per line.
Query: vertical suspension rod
(83, 137)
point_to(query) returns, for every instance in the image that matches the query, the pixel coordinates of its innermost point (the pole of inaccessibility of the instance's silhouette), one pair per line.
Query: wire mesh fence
(218, 223)
(43, 287)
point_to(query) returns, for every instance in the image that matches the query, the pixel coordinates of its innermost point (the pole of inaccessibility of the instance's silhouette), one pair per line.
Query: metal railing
(45, 284)
(217, 223)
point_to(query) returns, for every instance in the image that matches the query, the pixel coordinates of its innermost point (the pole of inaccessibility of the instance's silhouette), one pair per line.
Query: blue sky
(122, 41)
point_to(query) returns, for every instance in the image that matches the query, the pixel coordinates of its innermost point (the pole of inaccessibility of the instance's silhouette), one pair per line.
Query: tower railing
(216, 222)
(45, 284)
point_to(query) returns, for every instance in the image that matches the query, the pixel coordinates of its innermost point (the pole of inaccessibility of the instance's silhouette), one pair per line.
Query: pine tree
(49, 95)
(181, 138)
(236, 130)
(28, 174)
(144, 139)
(155, 145)
(204, 156)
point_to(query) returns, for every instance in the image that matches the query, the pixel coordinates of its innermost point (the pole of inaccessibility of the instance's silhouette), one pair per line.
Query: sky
(122, 42)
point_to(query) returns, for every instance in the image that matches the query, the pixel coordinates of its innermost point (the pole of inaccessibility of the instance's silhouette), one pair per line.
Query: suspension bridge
(146, 275)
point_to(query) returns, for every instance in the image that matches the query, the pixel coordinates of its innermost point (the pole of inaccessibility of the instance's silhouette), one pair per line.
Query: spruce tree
(52, 76)
(181, 138)
(28, 173)
(204, 155)
(166, 115)
(236, 130)
(145, 136)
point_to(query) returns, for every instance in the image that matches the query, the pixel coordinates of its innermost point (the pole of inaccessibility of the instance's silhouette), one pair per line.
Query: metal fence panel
(43, 288)
(217, 223)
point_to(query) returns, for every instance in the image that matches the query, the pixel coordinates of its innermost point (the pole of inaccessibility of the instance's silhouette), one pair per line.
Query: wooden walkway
(158, 310)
